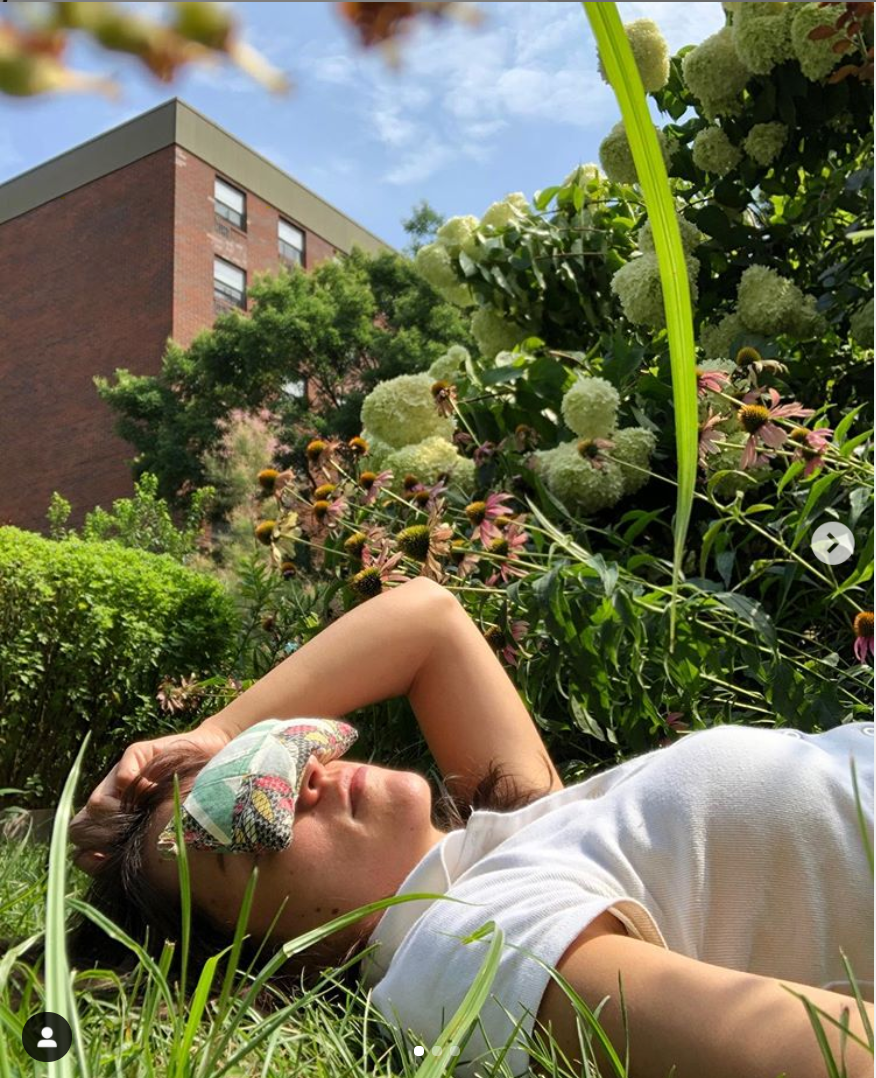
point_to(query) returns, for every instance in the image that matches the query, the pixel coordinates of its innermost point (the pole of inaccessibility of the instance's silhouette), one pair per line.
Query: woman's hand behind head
(106, 798)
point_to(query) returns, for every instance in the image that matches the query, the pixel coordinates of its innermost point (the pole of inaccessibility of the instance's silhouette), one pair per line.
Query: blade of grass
(459, 1025)
(59, 994)
(198, 1005)
(620, 67)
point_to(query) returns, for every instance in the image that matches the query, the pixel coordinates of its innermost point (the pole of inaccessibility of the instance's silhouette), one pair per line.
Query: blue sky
(472, 114)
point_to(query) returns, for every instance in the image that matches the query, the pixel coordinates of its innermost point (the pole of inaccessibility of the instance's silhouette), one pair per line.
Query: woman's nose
(314, 782)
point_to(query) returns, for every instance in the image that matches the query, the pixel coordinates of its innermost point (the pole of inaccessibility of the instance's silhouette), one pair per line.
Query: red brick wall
(200, 235)
(99, 279)
(87, 287)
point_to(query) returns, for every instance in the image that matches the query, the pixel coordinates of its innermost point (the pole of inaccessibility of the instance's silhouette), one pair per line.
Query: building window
(230, 203)
(297, 389)
(229, 284)
(291, 241)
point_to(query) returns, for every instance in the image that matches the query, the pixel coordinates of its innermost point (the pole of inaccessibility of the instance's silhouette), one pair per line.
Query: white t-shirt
(737, 845)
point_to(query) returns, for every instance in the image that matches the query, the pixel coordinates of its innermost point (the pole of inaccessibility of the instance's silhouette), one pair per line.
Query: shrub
(89, 632)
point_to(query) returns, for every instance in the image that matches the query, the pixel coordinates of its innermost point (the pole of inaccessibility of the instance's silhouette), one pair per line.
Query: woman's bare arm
(372, 653)
(699, 1018)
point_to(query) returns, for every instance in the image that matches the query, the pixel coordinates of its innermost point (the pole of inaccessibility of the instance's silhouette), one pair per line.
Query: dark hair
(123, 891)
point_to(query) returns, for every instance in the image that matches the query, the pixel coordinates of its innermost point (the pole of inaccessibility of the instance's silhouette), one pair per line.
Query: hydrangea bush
(535, 476)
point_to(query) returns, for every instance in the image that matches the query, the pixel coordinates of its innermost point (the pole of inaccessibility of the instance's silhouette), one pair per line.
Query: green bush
(89, 630)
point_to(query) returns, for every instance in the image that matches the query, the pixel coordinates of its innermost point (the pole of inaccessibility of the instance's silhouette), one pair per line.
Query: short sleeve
(433, 969)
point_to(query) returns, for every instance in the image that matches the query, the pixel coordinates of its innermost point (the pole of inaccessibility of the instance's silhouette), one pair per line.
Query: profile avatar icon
(47, 1036)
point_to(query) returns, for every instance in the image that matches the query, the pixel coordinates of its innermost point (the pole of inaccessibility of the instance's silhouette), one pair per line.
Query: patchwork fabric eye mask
(243, 801)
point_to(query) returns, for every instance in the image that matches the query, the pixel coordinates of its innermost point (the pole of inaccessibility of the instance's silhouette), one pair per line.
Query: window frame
(223, 210)
(281, 243)
(224, 298)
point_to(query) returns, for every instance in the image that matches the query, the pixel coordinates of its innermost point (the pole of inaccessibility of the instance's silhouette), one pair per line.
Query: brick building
(139, 235)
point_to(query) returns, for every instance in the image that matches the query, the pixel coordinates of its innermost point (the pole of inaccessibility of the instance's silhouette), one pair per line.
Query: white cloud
(418, 165)
(526, 61)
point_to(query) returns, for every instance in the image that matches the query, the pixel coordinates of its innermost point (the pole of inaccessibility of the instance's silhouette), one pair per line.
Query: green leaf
(844, 424)
(790, 474)
(623, 74)
(819, 487)
(751, 612)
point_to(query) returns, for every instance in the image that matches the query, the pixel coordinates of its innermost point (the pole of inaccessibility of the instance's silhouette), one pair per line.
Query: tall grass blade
(620, 67)
(458, 1027)
(59, 994)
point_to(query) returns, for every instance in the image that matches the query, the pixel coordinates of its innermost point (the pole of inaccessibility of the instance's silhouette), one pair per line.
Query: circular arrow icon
(833, 543)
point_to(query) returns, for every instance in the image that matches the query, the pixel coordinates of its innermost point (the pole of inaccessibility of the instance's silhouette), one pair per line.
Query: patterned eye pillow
(243, 801)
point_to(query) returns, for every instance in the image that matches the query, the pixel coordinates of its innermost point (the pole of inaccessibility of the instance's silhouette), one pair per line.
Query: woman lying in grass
(715, 877)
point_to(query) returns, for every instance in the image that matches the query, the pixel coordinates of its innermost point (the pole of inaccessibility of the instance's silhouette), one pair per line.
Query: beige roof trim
(175, 122)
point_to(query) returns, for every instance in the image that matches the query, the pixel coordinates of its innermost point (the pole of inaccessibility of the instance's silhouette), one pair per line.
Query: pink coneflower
(708, 436)
(810, 446)
(366, 533)
(427, 542)
(484, 452)
(376, 572)
(465, 560)
(591, 449)
(461, 439)
(427, 497)
(321, 454)
(373, 484)
(507, 544)
(863, 626)
(673, 720)
(482, 514)
(711, 381)
(323, 516)
(523, 438)
(756, 419)
(500, 643)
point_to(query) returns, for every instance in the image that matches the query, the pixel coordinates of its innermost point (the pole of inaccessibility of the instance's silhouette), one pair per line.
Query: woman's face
(337, 861)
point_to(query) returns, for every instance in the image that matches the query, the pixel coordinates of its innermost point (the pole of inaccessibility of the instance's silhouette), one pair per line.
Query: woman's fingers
(105, 798)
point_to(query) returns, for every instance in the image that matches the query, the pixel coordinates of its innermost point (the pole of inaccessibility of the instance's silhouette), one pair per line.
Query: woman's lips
(357, 787)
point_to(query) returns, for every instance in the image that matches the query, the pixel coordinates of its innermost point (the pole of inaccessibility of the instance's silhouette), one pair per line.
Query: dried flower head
(267, 477)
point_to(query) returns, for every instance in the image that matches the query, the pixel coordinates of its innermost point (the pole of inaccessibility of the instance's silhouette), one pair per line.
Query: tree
(347, 325)
(421, 226)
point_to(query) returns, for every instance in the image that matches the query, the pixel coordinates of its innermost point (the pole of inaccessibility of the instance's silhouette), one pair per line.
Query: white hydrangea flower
(493, 333)
(716, 341)
(508, 211)
(650, 52)
(633, 446)
(447, 367)
(764, 142)
(456, 232)
(712, 151)
(762, 35)
(576, 482)
(861, 325)
(433, 263)
(715, 75)
(378, 451)
(691, 236)
(401, 411)
(770, 303)
(617, 157)
(590, 407)
(427, 460)
(581, 175)
(817, 58)
(638, 287)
